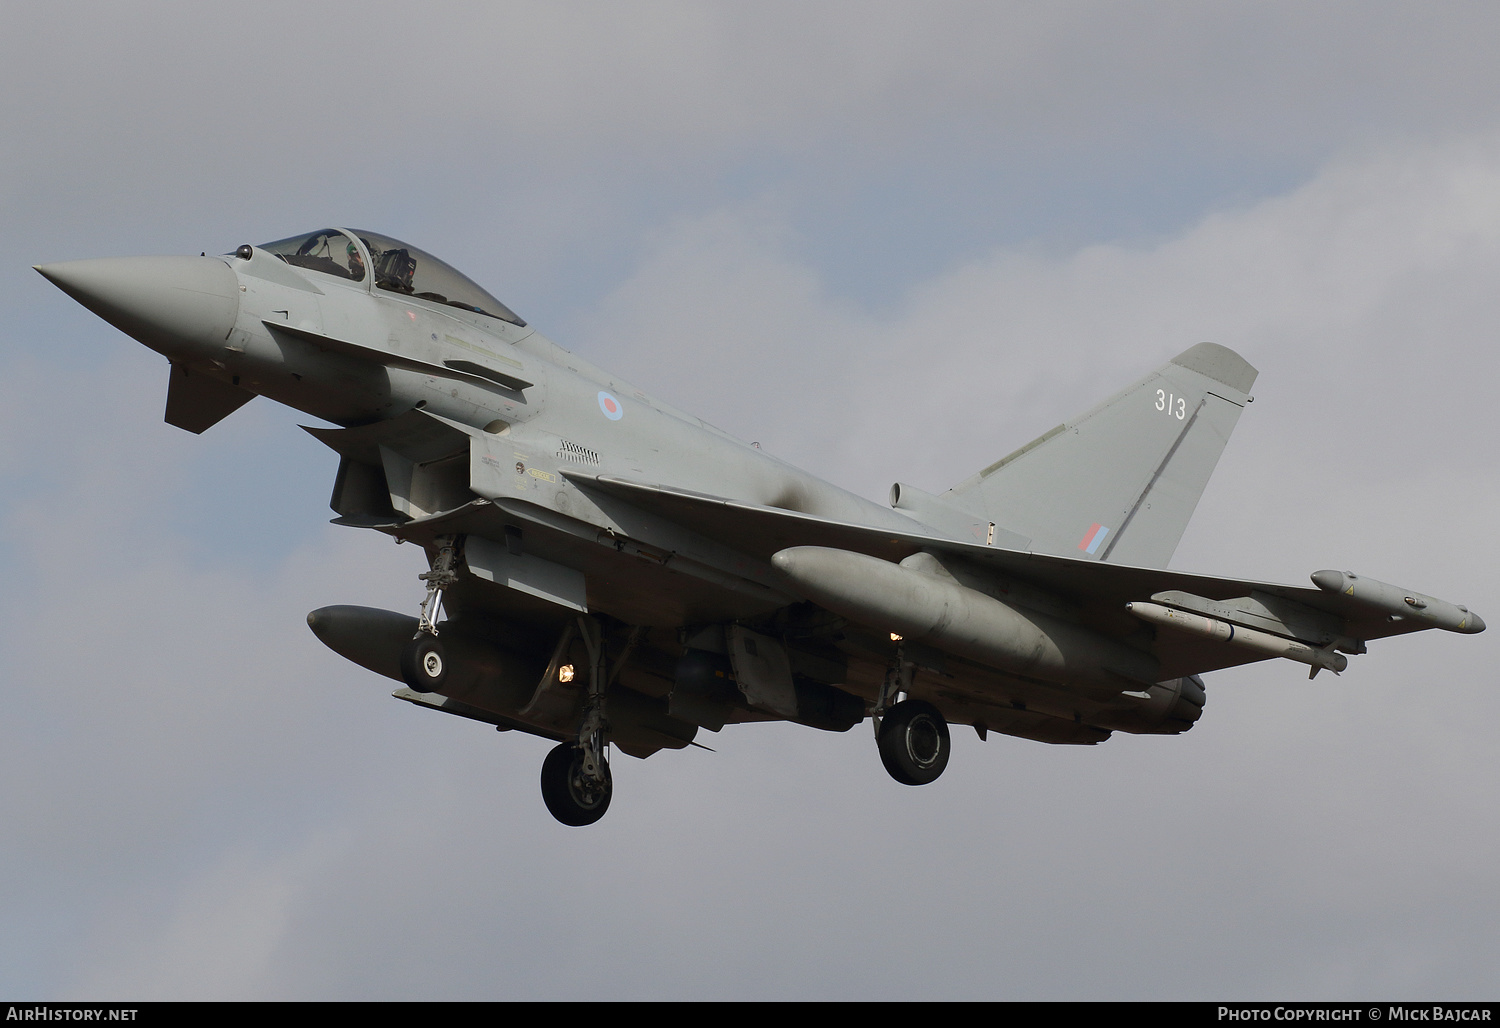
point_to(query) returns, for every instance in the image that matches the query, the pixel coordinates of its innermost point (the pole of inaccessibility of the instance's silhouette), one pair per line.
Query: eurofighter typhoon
(609, 571)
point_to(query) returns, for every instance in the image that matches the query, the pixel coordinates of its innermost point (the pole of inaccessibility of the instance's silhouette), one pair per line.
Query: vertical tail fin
(1120, 482)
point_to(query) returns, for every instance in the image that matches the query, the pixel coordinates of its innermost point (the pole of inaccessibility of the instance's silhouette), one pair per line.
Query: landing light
(565, 673)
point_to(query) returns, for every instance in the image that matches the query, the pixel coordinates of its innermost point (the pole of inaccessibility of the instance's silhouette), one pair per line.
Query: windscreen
(402, 268)
(327, 250)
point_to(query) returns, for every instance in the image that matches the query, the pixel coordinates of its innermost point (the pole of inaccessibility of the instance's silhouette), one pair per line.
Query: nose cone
(175, 305)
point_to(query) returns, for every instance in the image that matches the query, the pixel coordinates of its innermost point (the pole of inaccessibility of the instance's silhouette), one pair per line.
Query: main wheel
(424, 665)
(571, 796)
(913, 742)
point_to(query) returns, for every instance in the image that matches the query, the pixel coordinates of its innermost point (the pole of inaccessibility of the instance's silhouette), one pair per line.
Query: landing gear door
(763, 670)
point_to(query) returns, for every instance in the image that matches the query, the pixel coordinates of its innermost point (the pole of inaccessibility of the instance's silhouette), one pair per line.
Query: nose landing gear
(424, 665)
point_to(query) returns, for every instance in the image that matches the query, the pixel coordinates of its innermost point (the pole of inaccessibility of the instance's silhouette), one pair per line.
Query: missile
(963, 621)
(1237, 635)
(1399, 602)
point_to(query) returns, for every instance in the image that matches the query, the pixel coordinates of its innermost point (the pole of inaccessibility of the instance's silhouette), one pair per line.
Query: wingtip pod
(1398, 602)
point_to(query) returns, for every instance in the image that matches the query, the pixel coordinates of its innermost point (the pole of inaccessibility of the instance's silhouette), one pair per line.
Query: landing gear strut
(424, 665)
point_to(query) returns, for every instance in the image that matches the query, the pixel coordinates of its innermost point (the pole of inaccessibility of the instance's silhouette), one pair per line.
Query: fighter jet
(611, 573)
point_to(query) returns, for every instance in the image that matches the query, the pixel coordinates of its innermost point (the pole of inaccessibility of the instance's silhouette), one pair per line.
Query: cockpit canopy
(398, 268)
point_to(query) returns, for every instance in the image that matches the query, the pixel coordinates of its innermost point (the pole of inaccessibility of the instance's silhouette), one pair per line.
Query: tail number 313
(1174, 406)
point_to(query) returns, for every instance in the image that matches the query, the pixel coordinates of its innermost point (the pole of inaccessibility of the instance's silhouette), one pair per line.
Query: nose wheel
(424, 665)
(914, 743)
(573, 795)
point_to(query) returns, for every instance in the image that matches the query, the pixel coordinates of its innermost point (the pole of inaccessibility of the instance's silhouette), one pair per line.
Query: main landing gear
(576, 782)
(574, 797)
(914, 743)
(912, 735)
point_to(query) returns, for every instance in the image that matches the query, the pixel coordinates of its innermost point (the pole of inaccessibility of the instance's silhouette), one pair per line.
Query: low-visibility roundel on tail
(1119, 482)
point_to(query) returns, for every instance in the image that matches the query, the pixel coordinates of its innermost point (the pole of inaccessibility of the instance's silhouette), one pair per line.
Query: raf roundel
(610, 406)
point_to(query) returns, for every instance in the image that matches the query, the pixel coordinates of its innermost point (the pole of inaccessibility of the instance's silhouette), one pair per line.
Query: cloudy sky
(887, 240)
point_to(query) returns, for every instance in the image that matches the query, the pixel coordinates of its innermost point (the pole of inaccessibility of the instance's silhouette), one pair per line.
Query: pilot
(356, 263)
